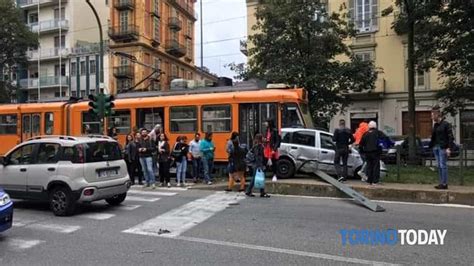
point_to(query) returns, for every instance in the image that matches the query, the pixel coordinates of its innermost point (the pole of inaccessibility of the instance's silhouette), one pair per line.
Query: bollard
(461, 164)
(398, 162)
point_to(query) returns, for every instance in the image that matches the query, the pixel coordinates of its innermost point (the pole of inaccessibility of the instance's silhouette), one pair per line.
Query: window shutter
(374, 15)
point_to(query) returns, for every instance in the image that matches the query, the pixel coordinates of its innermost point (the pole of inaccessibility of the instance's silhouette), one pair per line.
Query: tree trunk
(411, 84)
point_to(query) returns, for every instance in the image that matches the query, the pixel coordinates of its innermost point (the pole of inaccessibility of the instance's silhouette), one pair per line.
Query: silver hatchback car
(66, 170)
(305, 150)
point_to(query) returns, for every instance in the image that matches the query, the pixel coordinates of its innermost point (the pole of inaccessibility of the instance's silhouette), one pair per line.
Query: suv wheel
(61, 201)
(285, 168)
(117, 199)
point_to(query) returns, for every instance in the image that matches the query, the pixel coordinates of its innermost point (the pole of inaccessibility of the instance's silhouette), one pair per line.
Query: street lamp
(101, 47)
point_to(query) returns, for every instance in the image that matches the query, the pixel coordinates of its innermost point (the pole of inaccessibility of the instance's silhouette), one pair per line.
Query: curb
(375, 193)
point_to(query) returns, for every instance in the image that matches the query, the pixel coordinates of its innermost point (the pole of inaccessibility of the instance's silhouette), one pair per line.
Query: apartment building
(64, 28)
(388, 103)
(158, 33)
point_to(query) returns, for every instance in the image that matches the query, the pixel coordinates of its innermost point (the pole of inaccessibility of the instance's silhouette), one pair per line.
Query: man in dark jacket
(146, 148)
(343, 139)
(369, 145)
(442, 140)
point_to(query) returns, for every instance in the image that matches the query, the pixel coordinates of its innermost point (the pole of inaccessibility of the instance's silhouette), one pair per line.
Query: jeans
(253, 170)
(147, 167)
(341, 154)
(197, 168)
(208, 166)
(181, 168)
(442, 160)
(373, 167)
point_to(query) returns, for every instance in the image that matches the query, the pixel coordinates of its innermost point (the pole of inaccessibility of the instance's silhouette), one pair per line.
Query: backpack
(250, 157)
(175, 153)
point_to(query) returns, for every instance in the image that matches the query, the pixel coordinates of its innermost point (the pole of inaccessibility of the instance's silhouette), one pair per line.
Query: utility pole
(202, 43)
(101, 47)
(409, 5)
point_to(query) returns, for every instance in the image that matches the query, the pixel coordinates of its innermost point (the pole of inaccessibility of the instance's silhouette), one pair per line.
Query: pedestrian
(442, 141)
(146, 148)
(113, 133)
(131, 155)
(196, 155)
(343, 139)
(371, 149)
(258, 151)
(154, 137)
(359, 133)
(164, 160)
(154, 134)
(237, 166)
(271, 143)
(138, 169)
(181, 150)
(207, 149)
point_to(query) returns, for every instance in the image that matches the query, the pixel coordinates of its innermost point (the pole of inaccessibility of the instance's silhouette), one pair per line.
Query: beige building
(388, 103)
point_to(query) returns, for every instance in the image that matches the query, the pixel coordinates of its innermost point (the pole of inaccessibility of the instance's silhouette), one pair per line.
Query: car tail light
(88, 192)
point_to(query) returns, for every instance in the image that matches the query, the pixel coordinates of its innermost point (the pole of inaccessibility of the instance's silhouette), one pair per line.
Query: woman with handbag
(180, 153)
(271, 144)
(131, 156)
(257, 165)
(236, 166)
(164, 160)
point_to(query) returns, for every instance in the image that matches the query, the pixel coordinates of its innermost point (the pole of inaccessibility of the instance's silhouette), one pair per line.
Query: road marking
(381, 201)
(135, 198)
(58, 228)
(97, 216)
(283, 251)
(151, 193)
(18, 222)
(16, 243)
(179, 220)
(128, 207)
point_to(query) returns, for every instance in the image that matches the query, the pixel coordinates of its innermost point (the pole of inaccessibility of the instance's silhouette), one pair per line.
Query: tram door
(30, 126)
(251, 119)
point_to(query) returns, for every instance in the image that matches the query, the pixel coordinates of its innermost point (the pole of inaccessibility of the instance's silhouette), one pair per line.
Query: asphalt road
(217, 228)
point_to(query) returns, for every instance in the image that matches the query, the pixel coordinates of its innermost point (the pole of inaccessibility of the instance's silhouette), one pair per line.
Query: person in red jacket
(360, 131)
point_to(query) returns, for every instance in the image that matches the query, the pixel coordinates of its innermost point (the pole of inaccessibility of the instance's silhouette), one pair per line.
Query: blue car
(6, 211)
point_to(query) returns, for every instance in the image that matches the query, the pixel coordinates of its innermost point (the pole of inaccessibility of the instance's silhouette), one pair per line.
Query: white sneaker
(183, 184)
(274, 179)
(363, 176)
(169, 185)
(153, 186)
(209, 183)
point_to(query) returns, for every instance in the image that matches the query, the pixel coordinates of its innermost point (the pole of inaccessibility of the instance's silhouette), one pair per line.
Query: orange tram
(242, 108)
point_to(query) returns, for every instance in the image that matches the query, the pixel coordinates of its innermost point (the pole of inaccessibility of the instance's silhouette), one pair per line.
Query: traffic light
(96, 106)
(109, 105)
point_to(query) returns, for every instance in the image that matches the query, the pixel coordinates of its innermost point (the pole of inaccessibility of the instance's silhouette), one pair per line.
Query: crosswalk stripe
(16, 243)
(128, 207)
(135, 198)
(179, 220)
(97, 216)
(151, 193)
(58, 228)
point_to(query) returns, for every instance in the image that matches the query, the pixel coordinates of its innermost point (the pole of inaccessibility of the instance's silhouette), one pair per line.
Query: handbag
(259, 179)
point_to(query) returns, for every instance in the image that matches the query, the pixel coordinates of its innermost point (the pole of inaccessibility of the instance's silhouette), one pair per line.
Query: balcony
(185, 6)
(124, 4)
(173, 48)
(124, 34)
(50, 25)
(44, 82)
(175, 24)
(47, 54)
(243, 47)
(124, 72)
(30, 4)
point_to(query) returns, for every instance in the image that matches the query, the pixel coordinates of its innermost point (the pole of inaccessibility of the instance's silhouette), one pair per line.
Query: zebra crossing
(33, 220)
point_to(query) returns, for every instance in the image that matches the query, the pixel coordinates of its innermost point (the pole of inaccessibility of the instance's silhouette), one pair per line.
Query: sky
(224, 25)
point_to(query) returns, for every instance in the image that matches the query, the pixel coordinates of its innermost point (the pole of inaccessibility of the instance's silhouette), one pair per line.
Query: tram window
(26, 124)
(91, 123)
(36, 124)
(48, 123)
(121, 121)
(148, 118)
(217, 118)
(291, 116)
(8, 124)
(183, 119)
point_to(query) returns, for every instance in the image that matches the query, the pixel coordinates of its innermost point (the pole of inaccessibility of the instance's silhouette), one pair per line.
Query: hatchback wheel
(61, 201)
(117, 199)
(285, 168)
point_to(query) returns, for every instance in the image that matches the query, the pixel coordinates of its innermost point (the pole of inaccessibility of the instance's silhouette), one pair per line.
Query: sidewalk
(386, 191)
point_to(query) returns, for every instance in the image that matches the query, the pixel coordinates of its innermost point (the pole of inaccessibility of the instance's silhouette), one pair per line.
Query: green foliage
(297, 43)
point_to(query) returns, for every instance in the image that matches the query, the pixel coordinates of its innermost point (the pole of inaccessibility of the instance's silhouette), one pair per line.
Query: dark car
(391, 155)
(427, 152)
(6, 211)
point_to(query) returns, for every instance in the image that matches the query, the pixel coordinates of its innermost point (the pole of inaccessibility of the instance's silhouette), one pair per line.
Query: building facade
(388, 103)
(64, 29)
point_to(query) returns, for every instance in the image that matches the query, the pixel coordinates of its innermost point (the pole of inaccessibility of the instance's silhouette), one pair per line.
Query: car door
(14, 174)
(303, 148)
(327, 150)
(44, 168)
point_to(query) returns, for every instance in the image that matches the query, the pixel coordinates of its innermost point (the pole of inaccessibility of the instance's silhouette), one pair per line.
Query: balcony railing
(124, 34)
(243, 47)
(175, 24)
(186, 6)
(47, 53)
(173, 47)
(49, 25)
(124, 4)
(44, 82)
(124, 72)
(34, 3)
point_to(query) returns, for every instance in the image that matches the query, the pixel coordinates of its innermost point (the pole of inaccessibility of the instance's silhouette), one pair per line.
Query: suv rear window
(101, 151)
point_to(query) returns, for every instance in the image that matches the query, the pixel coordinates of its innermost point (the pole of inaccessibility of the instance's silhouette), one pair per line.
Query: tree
(440, 36)
(298, 44)
(15, 39)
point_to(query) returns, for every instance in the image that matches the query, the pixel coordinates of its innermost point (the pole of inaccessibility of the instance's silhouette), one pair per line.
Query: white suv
(66, 170)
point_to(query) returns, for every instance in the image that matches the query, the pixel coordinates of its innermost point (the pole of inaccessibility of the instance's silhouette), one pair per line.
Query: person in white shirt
(195, 152)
